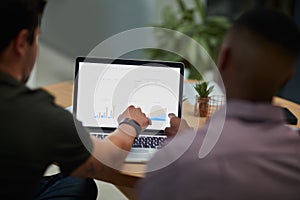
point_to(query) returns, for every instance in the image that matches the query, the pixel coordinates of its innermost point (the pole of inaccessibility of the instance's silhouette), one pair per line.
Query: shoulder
(39, 106)
(36, 97)
(23, 97)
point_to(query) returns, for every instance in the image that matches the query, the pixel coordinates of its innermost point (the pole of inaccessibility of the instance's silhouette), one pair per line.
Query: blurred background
(72, 28)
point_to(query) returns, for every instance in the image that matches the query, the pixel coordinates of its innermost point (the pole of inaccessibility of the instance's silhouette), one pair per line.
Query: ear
(223, 58)
(21, 43)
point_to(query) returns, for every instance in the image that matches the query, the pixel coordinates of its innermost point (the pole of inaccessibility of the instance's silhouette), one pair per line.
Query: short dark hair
(16, 15)
(273, 26)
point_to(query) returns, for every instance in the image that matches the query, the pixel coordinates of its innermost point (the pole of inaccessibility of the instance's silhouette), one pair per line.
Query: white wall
(76, 26)
(73, 28)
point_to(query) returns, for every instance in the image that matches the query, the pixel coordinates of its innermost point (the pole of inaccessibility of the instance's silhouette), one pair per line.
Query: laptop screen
(104, 88)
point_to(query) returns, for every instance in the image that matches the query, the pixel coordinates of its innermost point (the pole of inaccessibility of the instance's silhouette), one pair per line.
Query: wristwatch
(134, 124)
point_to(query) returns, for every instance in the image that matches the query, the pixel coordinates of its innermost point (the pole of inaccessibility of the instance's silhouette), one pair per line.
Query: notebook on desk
(104, 88)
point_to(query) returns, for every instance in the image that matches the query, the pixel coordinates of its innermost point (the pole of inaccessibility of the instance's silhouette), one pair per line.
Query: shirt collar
(251, 111)
(9, 80)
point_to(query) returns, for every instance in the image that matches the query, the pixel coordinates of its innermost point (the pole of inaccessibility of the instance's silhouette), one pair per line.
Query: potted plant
(193, 22)
(203, 97)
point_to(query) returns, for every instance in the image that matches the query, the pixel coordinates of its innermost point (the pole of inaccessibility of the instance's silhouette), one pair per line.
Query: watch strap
(132, 123)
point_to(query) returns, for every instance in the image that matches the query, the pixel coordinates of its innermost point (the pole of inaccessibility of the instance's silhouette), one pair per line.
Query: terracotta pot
(203, 106)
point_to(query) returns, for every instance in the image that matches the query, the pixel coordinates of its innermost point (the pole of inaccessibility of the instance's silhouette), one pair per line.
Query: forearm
(92, 168)
(123, 137)
(113, 150)
(118, 178)
(108, 155)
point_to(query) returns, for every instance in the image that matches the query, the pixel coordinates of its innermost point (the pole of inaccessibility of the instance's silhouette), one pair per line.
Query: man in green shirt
(35, 132)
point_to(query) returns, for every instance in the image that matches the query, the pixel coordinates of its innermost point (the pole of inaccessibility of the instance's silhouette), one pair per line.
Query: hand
(177, 125)
(137, 115)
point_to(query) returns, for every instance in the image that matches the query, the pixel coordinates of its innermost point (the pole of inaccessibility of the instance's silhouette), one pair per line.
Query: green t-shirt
(34, 133)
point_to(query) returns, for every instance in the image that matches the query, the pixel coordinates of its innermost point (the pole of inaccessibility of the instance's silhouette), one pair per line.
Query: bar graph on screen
(107, 113)
(158, 114)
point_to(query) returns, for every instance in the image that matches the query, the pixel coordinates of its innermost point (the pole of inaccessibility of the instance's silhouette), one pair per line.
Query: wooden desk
(64, 91)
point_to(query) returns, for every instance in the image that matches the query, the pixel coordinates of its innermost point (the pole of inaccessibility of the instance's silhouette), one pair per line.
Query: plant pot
(203, 106)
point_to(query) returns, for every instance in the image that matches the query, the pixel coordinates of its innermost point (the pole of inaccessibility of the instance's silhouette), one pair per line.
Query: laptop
(104, 88)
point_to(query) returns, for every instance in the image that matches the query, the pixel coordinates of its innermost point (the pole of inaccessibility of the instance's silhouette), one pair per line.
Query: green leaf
(218, 21)
(202, 89)
(169, 18)
(181, 5)
(189, 16)
(201, 10)
(209, 32)
(204, 43)
(187, 28)
(210, 89)
(194, 74)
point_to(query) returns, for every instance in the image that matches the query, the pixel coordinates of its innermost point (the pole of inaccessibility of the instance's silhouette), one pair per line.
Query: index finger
(175, 121)
(171, 115)
(150, 121)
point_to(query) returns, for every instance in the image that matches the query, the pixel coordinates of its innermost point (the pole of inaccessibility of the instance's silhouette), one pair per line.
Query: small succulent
(202, 89)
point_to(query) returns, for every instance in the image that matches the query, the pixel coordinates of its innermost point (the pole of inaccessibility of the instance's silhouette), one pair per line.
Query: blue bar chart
(108, 113)
(159, 114)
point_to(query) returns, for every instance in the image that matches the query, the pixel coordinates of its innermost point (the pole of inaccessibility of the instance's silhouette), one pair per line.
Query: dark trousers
(66, 188)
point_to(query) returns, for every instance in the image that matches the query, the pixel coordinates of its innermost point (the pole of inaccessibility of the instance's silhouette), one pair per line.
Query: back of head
(264, 46)
(16, 15)
(272, 26)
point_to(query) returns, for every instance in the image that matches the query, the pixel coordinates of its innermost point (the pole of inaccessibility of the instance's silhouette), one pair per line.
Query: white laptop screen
(104, 91)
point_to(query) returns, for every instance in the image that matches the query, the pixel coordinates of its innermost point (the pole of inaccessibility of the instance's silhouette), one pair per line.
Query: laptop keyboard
(99, 136)
(148, 142)
(152, 142)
